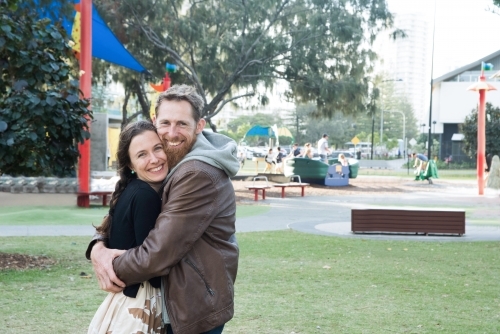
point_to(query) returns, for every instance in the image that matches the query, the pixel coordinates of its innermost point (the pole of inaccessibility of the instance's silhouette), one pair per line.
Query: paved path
(331, 215)
(328, 215)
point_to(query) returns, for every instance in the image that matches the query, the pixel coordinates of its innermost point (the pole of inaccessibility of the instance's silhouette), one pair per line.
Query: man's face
(177, 128)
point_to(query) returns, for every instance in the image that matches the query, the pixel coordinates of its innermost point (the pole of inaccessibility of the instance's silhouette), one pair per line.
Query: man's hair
(183, 93)
(325, 135)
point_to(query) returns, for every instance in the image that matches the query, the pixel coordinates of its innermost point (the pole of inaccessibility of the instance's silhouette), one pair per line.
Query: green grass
(72, 215)
(55, 215)
(290, 282)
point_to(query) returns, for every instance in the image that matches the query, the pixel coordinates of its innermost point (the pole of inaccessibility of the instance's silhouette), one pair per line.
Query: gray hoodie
(214, 149)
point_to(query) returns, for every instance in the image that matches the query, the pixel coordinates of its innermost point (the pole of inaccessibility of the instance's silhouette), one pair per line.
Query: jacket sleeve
(187, 212)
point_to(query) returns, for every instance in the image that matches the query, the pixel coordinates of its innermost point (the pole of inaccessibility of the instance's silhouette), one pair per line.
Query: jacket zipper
(209, 289)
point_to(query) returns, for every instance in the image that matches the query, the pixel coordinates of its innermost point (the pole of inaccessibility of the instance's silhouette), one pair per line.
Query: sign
(412, 142)
(355, 140)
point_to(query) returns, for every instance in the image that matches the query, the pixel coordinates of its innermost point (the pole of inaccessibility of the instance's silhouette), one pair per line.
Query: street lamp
(423, 126)
(373, 127)
(433, 129)
(382, 115)
(404, 128)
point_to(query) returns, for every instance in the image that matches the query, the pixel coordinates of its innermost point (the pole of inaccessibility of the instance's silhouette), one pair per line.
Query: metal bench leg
(282, 192)
(256, 194)
(263, 193)
(104, 200)
(302, 193)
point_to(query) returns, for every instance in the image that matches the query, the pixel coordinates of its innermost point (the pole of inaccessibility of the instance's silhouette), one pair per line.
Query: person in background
(270, 162)
(134, 207)
(295, 151)
(307, 151)
(489, 158)
(193, 245)
(279, 161)
(420, 162)
(323, 149)
(342, 160)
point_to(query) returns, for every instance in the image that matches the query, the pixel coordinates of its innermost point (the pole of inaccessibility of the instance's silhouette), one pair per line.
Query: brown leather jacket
(193, 246)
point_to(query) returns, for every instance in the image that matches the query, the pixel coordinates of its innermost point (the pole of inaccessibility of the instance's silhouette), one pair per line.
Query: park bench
(439, 221)
(259, 187)
(100, 193)
(291, 184)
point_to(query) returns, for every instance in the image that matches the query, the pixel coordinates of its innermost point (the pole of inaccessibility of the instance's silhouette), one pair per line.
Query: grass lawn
(289, 282)
(73, 215)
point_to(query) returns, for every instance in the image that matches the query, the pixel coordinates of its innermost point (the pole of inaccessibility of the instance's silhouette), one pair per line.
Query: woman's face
(147, 157)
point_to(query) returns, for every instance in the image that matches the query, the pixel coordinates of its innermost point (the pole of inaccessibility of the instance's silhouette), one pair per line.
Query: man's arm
(193, 201)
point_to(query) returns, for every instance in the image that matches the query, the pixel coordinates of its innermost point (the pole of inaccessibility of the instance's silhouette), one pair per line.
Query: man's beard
(175, 155)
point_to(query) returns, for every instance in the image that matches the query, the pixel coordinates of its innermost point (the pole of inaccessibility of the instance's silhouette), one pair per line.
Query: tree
(42, 117)
(469, 129)
(227, 49)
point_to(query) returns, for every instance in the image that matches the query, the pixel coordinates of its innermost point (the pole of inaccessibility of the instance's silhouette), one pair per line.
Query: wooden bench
(257, 187)
(416, 221)
(291, 184)
(103, 194)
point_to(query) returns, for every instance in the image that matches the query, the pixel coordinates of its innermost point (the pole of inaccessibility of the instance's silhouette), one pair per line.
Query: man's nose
(171, 130)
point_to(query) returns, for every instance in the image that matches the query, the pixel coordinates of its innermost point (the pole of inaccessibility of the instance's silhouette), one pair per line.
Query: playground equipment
(315, 171)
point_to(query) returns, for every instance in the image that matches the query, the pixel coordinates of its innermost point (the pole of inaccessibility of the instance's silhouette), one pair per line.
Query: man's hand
(102, 261)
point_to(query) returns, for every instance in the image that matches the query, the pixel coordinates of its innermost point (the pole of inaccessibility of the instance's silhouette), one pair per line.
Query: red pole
(481, 137)
(85, 86)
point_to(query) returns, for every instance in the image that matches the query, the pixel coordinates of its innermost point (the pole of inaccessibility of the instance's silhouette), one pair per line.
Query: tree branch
(223, 103)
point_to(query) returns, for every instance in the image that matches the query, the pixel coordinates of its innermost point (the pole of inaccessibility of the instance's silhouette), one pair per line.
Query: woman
(307, 151)
(134, 207)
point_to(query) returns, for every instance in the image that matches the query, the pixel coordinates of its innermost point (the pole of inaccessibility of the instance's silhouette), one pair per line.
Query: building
(452, 102)
(407, 60)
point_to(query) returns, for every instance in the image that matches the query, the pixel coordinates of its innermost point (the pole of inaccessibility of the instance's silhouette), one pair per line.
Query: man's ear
(201, 125)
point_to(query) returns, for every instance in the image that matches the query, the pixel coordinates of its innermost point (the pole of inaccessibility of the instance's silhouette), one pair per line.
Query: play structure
(316, 171)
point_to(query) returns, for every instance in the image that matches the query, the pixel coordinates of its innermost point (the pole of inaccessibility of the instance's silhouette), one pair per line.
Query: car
(335, 154)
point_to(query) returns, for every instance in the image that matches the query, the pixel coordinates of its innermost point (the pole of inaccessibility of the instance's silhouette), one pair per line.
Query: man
(323, 149)
(294, 152)
(420, 163)
(279, 160)
(192, 246)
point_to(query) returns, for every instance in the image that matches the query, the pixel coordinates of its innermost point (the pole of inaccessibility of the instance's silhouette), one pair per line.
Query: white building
(452, 102)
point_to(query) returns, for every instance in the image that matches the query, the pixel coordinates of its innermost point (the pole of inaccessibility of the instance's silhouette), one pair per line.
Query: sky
(465, 30)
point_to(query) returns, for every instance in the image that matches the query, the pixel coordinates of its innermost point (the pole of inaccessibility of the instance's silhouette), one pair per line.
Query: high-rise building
(408, 60)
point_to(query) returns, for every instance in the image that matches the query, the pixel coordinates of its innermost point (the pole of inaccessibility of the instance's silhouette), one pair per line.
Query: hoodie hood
(214, 149)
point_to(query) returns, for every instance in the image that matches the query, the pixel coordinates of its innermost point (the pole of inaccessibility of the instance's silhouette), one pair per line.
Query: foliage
(42, 117)
(469, 129)
(228, 49)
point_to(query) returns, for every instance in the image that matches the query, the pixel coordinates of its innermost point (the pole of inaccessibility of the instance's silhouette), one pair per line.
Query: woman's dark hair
(124, 171)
